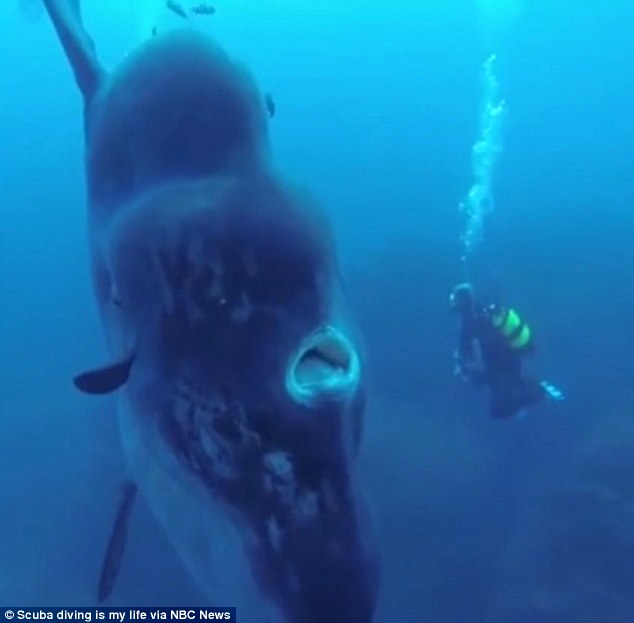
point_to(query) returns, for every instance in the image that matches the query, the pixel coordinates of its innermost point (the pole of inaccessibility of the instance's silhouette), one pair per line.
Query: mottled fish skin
(233, 300)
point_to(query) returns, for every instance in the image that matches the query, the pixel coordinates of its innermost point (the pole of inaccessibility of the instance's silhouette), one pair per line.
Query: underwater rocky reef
(572, 558)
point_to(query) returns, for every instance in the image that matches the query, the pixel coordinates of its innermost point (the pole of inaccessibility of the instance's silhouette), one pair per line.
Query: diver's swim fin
(116, 545)
(104, 380)
(79, 47)
(551, 392)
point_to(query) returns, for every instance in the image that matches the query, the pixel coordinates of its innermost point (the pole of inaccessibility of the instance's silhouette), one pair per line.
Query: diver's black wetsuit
(501, 365)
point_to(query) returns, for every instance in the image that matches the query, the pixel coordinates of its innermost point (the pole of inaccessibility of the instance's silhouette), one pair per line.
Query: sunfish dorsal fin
(106, 379)
(79, 47)
(116, 544)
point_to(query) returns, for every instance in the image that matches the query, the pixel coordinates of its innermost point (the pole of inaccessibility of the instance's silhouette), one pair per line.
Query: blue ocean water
(378, 106)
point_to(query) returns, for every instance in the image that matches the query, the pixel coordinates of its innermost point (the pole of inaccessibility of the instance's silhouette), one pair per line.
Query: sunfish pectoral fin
(106, 379)
(79, 47)
(116, 544)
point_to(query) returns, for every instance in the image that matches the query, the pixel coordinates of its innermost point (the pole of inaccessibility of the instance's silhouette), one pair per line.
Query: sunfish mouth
(325, 367)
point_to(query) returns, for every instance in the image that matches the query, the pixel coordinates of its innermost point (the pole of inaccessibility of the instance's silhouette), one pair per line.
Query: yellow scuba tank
(512, 328)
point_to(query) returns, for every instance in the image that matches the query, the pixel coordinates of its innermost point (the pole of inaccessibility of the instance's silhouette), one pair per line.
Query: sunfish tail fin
(79, 47)
(118, 538)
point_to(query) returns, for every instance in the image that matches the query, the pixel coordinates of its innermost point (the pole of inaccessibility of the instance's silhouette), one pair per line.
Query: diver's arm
(463, 354)
(468, 364)
(465, 348)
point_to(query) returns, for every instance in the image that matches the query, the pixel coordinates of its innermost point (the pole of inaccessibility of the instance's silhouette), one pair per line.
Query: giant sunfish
(240, 394)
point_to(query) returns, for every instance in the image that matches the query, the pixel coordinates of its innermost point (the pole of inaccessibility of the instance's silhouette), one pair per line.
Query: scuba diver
(493, 342)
